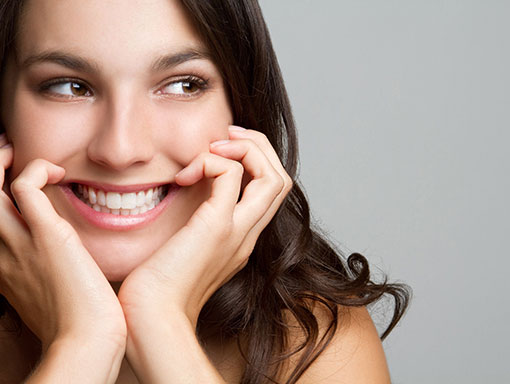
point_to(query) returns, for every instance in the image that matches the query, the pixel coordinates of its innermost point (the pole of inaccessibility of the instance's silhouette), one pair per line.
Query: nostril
(119, 148)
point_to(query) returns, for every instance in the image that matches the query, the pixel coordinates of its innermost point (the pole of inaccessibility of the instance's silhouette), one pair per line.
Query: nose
(122, 137)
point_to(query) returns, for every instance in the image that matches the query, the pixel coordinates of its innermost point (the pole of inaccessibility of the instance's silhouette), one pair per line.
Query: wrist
(167, 350)
(158, 317)
(84, 360)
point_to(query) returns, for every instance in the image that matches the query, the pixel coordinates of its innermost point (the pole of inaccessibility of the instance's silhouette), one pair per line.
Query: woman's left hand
(215, 244)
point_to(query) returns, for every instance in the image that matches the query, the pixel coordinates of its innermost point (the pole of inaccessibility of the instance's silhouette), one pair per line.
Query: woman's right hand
(46, 273)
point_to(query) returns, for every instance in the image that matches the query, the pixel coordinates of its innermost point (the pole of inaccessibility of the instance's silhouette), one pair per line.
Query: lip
(116, 188)
(118, 222)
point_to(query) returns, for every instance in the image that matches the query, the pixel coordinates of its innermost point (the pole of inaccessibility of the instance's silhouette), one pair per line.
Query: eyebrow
(79, 63)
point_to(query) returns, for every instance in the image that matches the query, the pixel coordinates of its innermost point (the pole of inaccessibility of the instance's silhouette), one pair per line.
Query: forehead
(111, 31)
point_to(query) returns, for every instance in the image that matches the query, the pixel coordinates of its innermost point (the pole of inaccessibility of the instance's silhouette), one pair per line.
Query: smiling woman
(118, 115)
(144, 236)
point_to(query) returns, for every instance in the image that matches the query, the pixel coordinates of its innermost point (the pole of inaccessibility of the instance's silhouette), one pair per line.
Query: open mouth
(125, 204)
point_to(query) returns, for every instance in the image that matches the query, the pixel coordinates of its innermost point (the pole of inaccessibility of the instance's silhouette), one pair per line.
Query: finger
(34, 205)
(11, 224)
(3, 139)
(261, 191)
(6, 156)
(263, 143)
(227, 175)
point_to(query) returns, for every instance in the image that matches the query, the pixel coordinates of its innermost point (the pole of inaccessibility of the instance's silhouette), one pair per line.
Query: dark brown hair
(293, 265)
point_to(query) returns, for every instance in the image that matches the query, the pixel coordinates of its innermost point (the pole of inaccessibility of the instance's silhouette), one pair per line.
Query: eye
(187, 87)
(66, 88)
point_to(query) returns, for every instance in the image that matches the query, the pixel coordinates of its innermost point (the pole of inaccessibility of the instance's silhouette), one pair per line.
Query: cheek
(60, 133)
(39, 130)
(186, 129)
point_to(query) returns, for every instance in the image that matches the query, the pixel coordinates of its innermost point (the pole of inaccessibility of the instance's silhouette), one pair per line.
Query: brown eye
(66, 88)
(189, 87)
(78, 89)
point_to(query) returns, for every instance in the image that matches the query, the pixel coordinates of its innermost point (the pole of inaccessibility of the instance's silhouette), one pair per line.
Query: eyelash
(200, 83)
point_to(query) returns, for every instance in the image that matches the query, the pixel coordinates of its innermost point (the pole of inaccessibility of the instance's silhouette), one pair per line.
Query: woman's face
(122, 95)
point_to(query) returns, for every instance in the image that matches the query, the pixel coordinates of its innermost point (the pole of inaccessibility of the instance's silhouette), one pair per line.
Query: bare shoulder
(354, 355)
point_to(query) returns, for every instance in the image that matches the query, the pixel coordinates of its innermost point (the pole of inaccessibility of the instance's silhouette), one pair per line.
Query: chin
(118, 261)
(116, 273)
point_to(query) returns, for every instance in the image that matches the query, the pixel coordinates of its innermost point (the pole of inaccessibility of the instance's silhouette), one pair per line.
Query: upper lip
(117, 188)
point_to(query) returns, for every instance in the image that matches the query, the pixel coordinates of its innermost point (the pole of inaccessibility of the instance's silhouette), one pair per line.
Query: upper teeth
(120, 203)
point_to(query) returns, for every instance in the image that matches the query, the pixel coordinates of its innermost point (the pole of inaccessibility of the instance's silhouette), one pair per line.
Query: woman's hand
(173, 285)
(51, 280)
(216, 242)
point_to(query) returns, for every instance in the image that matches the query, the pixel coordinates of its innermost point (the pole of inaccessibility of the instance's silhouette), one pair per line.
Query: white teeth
(128, 200)
(140, 198)
(113, 200)
(101, 198)
(132, 203)
(148, 196)
(92, 196)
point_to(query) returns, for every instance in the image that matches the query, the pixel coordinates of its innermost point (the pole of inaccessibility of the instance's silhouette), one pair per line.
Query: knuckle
(242, 262)
(289, 183)
(236, 168)
(6, 155)
(243, 254)
(203, 156)
(19, 186)
(37, 163)
(278, 183)
(250, 142)
(260, 135)
(65, 232)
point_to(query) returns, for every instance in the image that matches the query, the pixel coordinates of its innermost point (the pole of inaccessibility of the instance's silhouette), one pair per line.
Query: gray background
(402, 110)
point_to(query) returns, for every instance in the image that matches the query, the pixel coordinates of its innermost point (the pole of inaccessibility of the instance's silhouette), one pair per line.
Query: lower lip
(118, 222)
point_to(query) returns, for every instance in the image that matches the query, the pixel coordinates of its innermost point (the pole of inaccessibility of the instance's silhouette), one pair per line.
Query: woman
(144, 236)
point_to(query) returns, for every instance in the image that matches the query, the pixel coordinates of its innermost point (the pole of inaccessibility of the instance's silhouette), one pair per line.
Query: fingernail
(8, 145)
(236, 128)
(219, 142)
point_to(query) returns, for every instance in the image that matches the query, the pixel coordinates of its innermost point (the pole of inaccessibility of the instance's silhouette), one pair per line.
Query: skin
(120, 134)
(125, 125)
